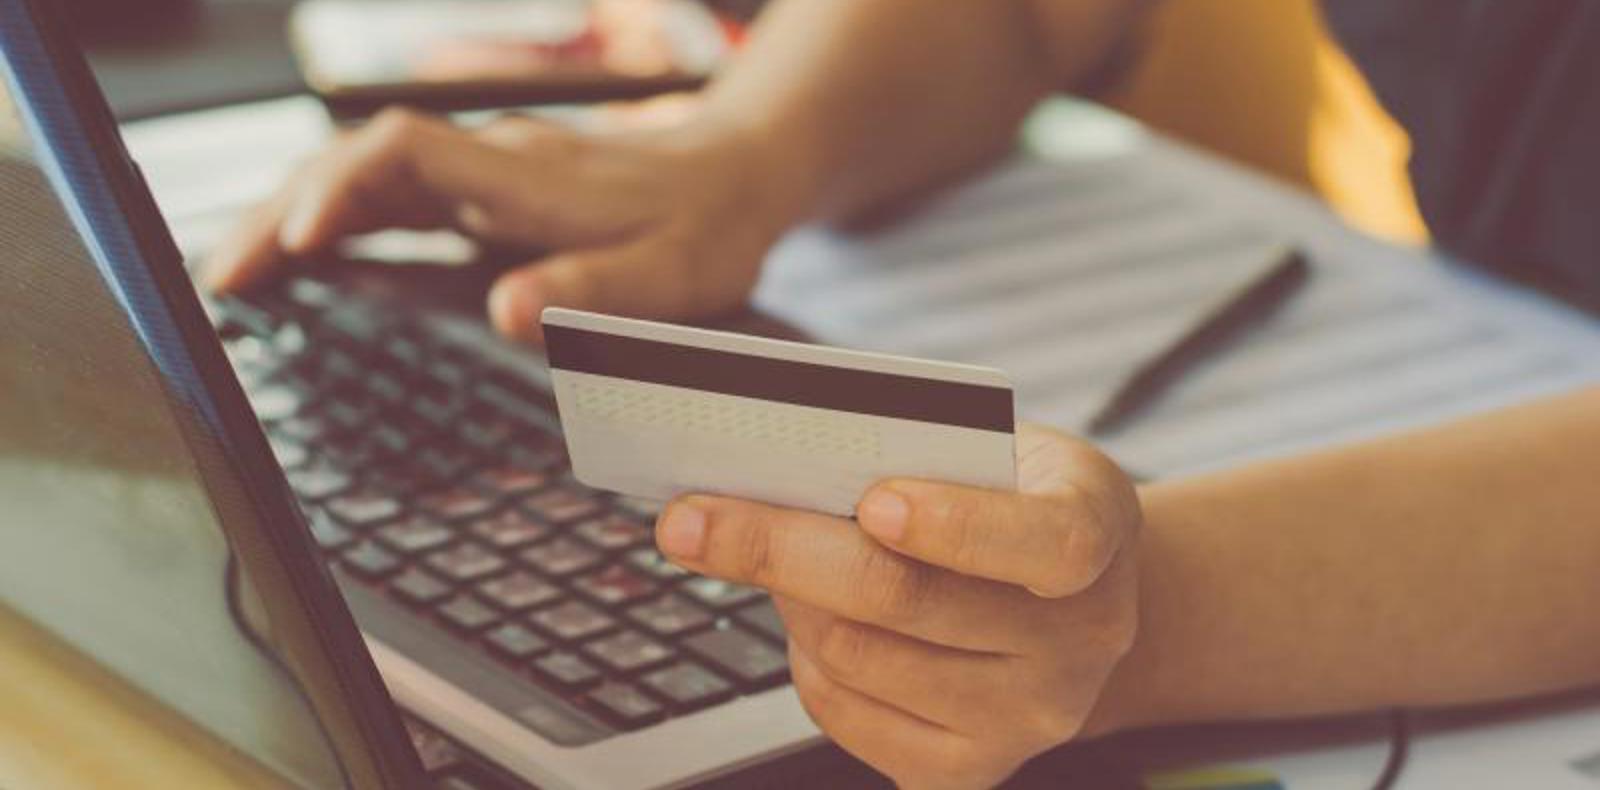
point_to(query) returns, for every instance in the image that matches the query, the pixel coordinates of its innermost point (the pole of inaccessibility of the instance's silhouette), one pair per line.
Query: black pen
(1261, 298)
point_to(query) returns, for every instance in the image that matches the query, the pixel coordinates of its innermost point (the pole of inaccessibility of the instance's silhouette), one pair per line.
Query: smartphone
(448, 55)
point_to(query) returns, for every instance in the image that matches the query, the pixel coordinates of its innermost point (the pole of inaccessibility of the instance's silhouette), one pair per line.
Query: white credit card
(657, 410)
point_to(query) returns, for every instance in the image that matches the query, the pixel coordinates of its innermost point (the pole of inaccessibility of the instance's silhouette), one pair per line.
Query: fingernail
(513, 309)
(884, 514)
(683, 532)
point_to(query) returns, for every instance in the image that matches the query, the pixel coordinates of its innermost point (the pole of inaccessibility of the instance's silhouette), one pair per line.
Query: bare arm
(867, 99)
(1456, 565)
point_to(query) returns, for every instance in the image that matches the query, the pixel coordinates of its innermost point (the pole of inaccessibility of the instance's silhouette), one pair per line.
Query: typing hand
(666, 224)
(956, 632)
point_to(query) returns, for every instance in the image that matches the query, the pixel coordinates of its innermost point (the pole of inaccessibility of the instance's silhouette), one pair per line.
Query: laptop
(331, 526)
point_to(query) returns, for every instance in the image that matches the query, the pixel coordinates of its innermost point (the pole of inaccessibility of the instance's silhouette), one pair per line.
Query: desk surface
(66, 724)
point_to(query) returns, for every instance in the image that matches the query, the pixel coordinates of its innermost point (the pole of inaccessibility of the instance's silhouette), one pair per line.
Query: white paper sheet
(1071, 268)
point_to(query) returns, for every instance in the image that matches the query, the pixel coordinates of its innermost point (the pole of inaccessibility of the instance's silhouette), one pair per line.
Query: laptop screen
(112, 544)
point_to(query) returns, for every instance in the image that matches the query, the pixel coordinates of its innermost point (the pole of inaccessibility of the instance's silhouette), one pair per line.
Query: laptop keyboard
(435, 481)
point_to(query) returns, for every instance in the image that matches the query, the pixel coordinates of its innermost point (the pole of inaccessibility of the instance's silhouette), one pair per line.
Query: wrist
(1130, 698)
(769, 166)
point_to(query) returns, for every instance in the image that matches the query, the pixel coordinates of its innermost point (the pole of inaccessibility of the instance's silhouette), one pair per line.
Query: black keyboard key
(651, 563)
(305, 428)
(517, 591)
(290, 454)
(466, 562)
(561, 557)
(448, 373)
(419, 588)
(489, 431)
(327, 532)
(290, 340)
(370, 561)
(572, 621)
(405, 352)
(510, 529)
(350, 455)
(318, 482)
(763, 617)
(238, 318)
(625, 705)
(751, 660)
(363, 325)
(475, 672)
(615, 585)
(312, 294)
(252, 376)
(443, 464)
(644, 509)
(402, 479)
(562, 505)
(335, 367)
(514, 401)
(277, 402)
(415, 535)
(435, 412)
(671, 616)
(628, 652)
(515, 642)
(364, 509)
(614, 532)
(386, 388)
(348, 416)
(567, 669)
(687, 686)
(467, 613)
(388, 440)
(458, 503)
(719, 594)
(540, 457)
(509, 481)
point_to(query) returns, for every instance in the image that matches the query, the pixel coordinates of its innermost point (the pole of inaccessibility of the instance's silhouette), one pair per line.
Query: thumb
(639, 279)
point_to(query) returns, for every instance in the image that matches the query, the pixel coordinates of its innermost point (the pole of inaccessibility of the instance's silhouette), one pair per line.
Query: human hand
(957, 631)
(660, 223)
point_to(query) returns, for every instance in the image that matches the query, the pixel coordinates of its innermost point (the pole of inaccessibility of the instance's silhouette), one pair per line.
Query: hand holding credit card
(656, 410)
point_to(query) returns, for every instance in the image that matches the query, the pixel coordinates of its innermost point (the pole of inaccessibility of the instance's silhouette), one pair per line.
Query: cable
(1399, 749)
(231, 582)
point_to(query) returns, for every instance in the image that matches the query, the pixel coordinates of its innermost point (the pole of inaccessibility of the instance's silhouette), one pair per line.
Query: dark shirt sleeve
(1501, 99)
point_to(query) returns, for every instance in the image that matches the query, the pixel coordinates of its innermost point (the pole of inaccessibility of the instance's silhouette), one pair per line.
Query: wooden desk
(67, 724)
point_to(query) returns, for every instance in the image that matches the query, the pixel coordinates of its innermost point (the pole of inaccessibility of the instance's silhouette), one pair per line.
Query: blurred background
(1259, 81)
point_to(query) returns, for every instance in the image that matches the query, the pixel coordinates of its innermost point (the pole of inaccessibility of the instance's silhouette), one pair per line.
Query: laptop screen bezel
(313, 629)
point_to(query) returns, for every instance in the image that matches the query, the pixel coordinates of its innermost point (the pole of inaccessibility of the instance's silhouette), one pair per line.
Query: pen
(1251, 305)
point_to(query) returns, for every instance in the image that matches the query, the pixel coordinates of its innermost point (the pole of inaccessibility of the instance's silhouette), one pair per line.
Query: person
(957, 632)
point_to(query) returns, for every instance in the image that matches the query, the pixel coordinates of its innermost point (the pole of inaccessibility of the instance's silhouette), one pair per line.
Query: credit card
(657, 410)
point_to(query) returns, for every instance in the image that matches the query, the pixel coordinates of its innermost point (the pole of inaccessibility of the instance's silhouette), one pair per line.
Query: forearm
(1456, 565)
(865, 100)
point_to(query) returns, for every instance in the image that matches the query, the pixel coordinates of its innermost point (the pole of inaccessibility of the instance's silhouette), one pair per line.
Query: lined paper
(1069, 270)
